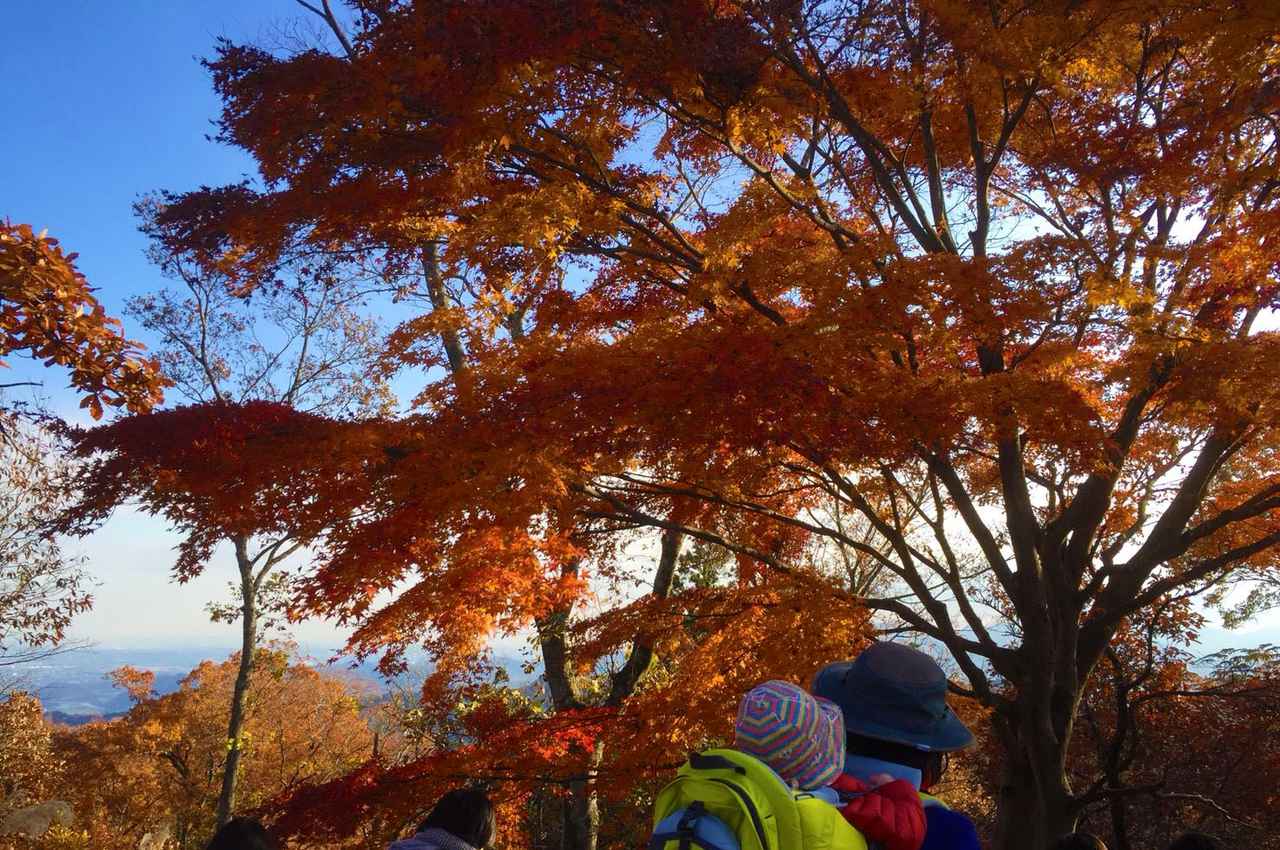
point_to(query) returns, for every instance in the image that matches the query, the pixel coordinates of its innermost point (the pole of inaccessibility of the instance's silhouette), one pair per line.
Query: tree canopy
(994, 279)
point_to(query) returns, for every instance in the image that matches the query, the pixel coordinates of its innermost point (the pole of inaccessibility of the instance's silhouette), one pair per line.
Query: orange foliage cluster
(158, 768)
(48, 310)
(788, 326)
(30, 769)
(1193, 743)
(214, 470)
(712, 646)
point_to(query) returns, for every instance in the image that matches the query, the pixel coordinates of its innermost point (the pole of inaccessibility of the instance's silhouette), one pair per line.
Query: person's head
(799, 736)
(465, 813)
(241, 834)
(929, 766)
(1079, 841)
(894, 702)
(1193, 840)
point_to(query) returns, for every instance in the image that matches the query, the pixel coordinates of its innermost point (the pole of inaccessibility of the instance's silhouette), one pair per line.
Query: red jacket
(890, 814)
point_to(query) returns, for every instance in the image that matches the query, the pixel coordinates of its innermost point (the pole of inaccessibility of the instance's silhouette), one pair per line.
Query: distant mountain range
(61, 719)
(74, 688)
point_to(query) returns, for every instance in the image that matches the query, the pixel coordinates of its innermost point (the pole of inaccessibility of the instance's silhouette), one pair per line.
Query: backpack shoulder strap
(769, 792)
(824, 828)
(696, 827)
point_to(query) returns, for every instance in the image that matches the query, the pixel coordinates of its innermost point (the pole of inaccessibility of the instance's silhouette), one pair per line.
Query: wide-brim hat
(895, 693)
(798, 735)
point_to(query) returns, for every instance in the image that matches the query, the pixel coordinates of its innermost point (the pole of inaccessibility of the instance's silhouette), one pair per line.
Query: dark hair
(1079, 841)
(930, 764)
(241, 834)
(466, 813)
(1193, 840)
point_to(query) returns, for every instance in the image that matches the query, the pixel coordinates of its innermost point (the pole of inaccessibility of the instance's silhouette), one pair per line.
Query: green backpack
(727, 800)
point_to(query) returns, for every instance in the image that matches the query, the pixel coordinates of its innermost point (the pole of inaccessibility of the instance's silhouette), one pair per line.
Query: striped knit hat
(801, 737)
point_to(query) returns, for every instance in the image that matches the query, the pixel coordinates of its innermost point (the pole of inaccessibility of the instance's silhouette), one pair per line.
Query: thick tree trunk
(1034, 803)
(1119, 824)
(1027, 818)
(582, 808)
(581, 822)
(235, 724)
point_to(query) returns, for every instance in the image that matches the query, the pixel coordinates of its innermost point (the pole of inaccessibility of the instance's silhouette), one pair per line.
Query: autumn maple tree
(300, 343)
(189, 466)
(995, 280)
(244, 364)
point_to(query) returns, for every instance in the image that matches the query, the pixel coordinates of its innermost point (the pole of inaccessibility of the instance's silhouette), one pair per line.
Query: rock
(34, 821)
(157, 839)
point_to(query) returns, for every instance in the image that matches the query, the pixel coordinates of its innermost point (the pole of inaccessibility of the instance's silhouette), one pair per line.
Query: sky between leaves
(103, 102)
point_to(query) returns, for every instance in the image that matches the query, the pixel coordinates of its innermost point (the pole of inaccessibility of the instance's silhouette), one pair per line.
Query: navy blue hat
(894, 693)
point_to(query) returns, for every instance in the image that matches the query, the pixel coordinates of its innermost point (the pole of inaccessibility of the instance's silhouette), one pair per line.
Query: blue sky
(104, 102)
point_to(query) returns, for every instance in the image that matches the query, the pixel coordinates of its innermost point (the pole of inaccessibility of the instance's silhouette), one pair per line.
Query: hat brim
(948, 736)
(827, 683)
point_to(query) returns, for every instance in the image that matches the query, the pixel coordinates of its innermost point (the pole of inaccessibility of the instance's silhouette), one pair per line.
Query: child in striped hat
(802, 738)
(798, 735)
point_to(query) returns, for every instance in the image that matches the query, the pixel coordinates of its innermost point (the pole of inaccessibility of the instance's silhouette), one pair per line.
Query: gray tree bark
(248, 643)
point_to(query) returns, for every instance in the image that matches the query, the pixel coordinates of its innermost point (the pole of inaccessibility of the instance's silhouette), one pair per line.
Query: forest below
(686, 345)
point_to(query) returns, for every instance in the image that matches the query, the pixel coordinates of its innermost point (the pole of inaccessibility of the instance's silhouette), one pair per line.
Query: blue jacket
(948, 830)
